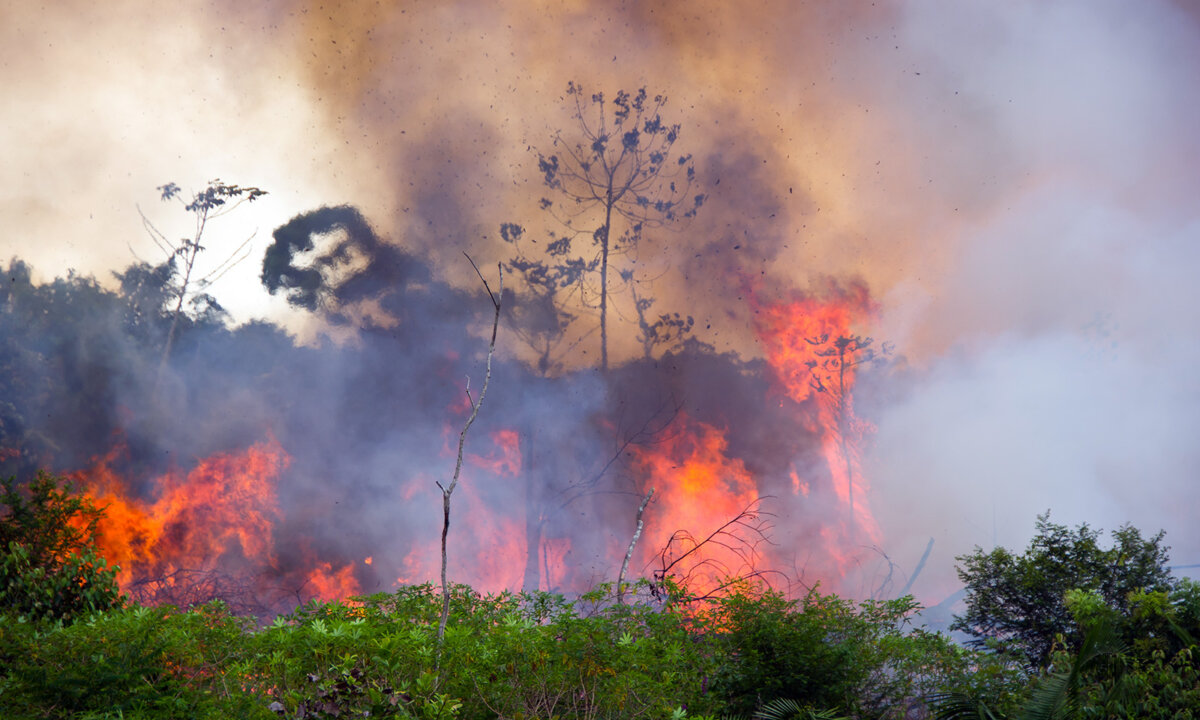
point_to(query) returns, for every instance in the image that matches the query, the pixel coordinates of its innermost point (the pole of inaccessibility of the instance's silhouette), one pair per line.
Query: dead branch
(496, 298)
(637, 533)
(741, 536)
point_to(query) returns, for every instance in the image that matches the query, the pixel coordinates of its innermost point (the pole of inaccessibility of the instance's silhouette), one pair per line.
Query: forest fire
(699, 491)
(230, 517)
(219, 515)
(810, 345)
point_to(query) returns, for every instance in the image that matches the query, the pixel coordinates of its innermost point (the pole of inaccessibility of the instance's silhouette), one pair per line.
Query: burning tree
(832, 377)
(617, 176)
(810, 345)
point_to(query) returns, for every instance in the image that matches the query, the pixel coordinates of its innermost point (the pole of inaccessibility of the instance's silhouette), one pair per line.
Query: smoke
(1014, 181)
(1054, 350)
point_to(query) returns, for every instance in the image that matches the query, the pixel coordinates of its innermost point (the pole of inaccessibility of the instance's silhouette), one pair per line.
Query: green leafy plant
(49, 565)
(1021, 600)
(129, 662)
(788, 709)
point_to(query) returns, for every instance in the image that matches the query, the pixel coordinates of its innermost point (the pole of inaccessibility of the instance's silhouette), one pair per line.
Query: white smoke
(1066, 320)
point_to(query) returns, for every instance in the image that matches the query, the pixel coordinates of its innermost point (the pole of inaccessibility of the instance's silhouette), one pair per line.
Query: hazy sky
(1017, 181)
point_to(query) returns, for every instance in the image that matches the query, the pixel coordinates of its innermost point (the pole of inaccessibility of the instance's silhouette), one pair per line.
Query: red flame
(810, 344)
(698, 489)
(222, 511)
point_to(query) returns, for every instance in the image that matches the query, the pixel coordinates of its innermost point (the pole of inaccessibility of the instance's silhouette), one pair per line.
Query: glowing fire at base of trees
(220, 523)
(699, 489)
(222, 510)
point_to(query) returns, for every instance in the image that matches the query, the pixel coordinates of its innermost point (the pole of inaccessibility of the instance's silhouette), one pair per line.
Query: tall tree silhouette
(616, 174)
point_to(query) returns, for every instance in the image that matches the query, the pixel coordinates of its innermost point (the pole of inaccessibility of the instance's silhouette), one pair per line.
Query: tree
(835, 358)
(618, 170)
(1022, 600)
(215, 200)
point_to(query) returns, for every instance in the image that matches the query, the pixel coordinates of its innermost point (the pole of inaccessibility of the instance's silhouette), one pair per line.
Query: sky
(1015, 181)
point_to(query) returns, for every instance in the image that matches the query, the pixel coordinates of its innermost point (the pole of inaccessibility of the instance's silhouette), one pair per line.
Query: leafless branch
(741, 536)
(447, 491)
(637, 533)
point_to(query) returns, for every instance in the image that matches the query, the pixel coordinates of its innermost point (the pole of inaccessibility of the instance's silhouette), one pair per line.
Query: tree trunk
(604, 245)
(533, 515)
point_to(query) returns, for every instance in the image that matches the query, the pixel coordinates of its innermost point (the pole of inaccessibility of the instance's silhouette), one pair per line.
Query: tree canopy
(1024, 600)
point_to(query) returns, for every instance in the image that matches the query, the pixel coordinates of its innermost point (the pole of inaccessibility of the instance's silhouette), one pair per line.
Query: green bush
(1020, 599)
(510, 655)
(803, 650)
(49, 565)
(130, 663)
(831, 655)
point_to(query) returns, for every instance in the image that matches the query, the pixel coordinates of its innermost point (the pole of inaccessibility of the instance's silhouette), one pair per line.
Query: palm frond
(957, 706)
(788, 709)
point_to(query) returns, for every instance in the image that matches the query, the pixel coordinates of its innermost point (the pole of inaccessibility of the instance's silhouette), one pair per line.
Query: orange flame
(698, 489)
(223, 510)
(811, 346)
(325, 583)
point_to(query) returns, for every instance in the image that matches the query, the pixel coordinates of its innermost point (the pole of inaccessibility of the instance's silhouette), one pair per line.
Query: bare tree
(475, 403)
(215, 200)
(637, 533)
(618, 175)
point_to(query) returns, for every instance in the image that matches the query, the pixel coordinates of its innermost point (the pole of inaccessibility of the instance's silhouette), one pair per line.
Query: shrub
(129, 662)
(49, 565)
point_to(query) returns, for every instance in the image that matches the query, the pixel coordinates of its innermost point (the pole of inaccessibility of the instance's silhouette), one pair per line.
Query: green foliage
(49, 566)
(531, 655)
(336, 660)
(1157, 687)
(787, 709)
(1021, 601)
(131, 662)
(1124, 629)
(803, 650)
(825, 652)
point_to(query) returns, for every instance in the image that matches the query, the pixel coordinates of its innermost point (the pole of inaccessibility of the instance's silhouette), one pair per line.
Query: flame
(797, 335)
(487, 545)
(698, 490)
(221, 513)
(810, 345)
(505, 457)
(325, 583)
